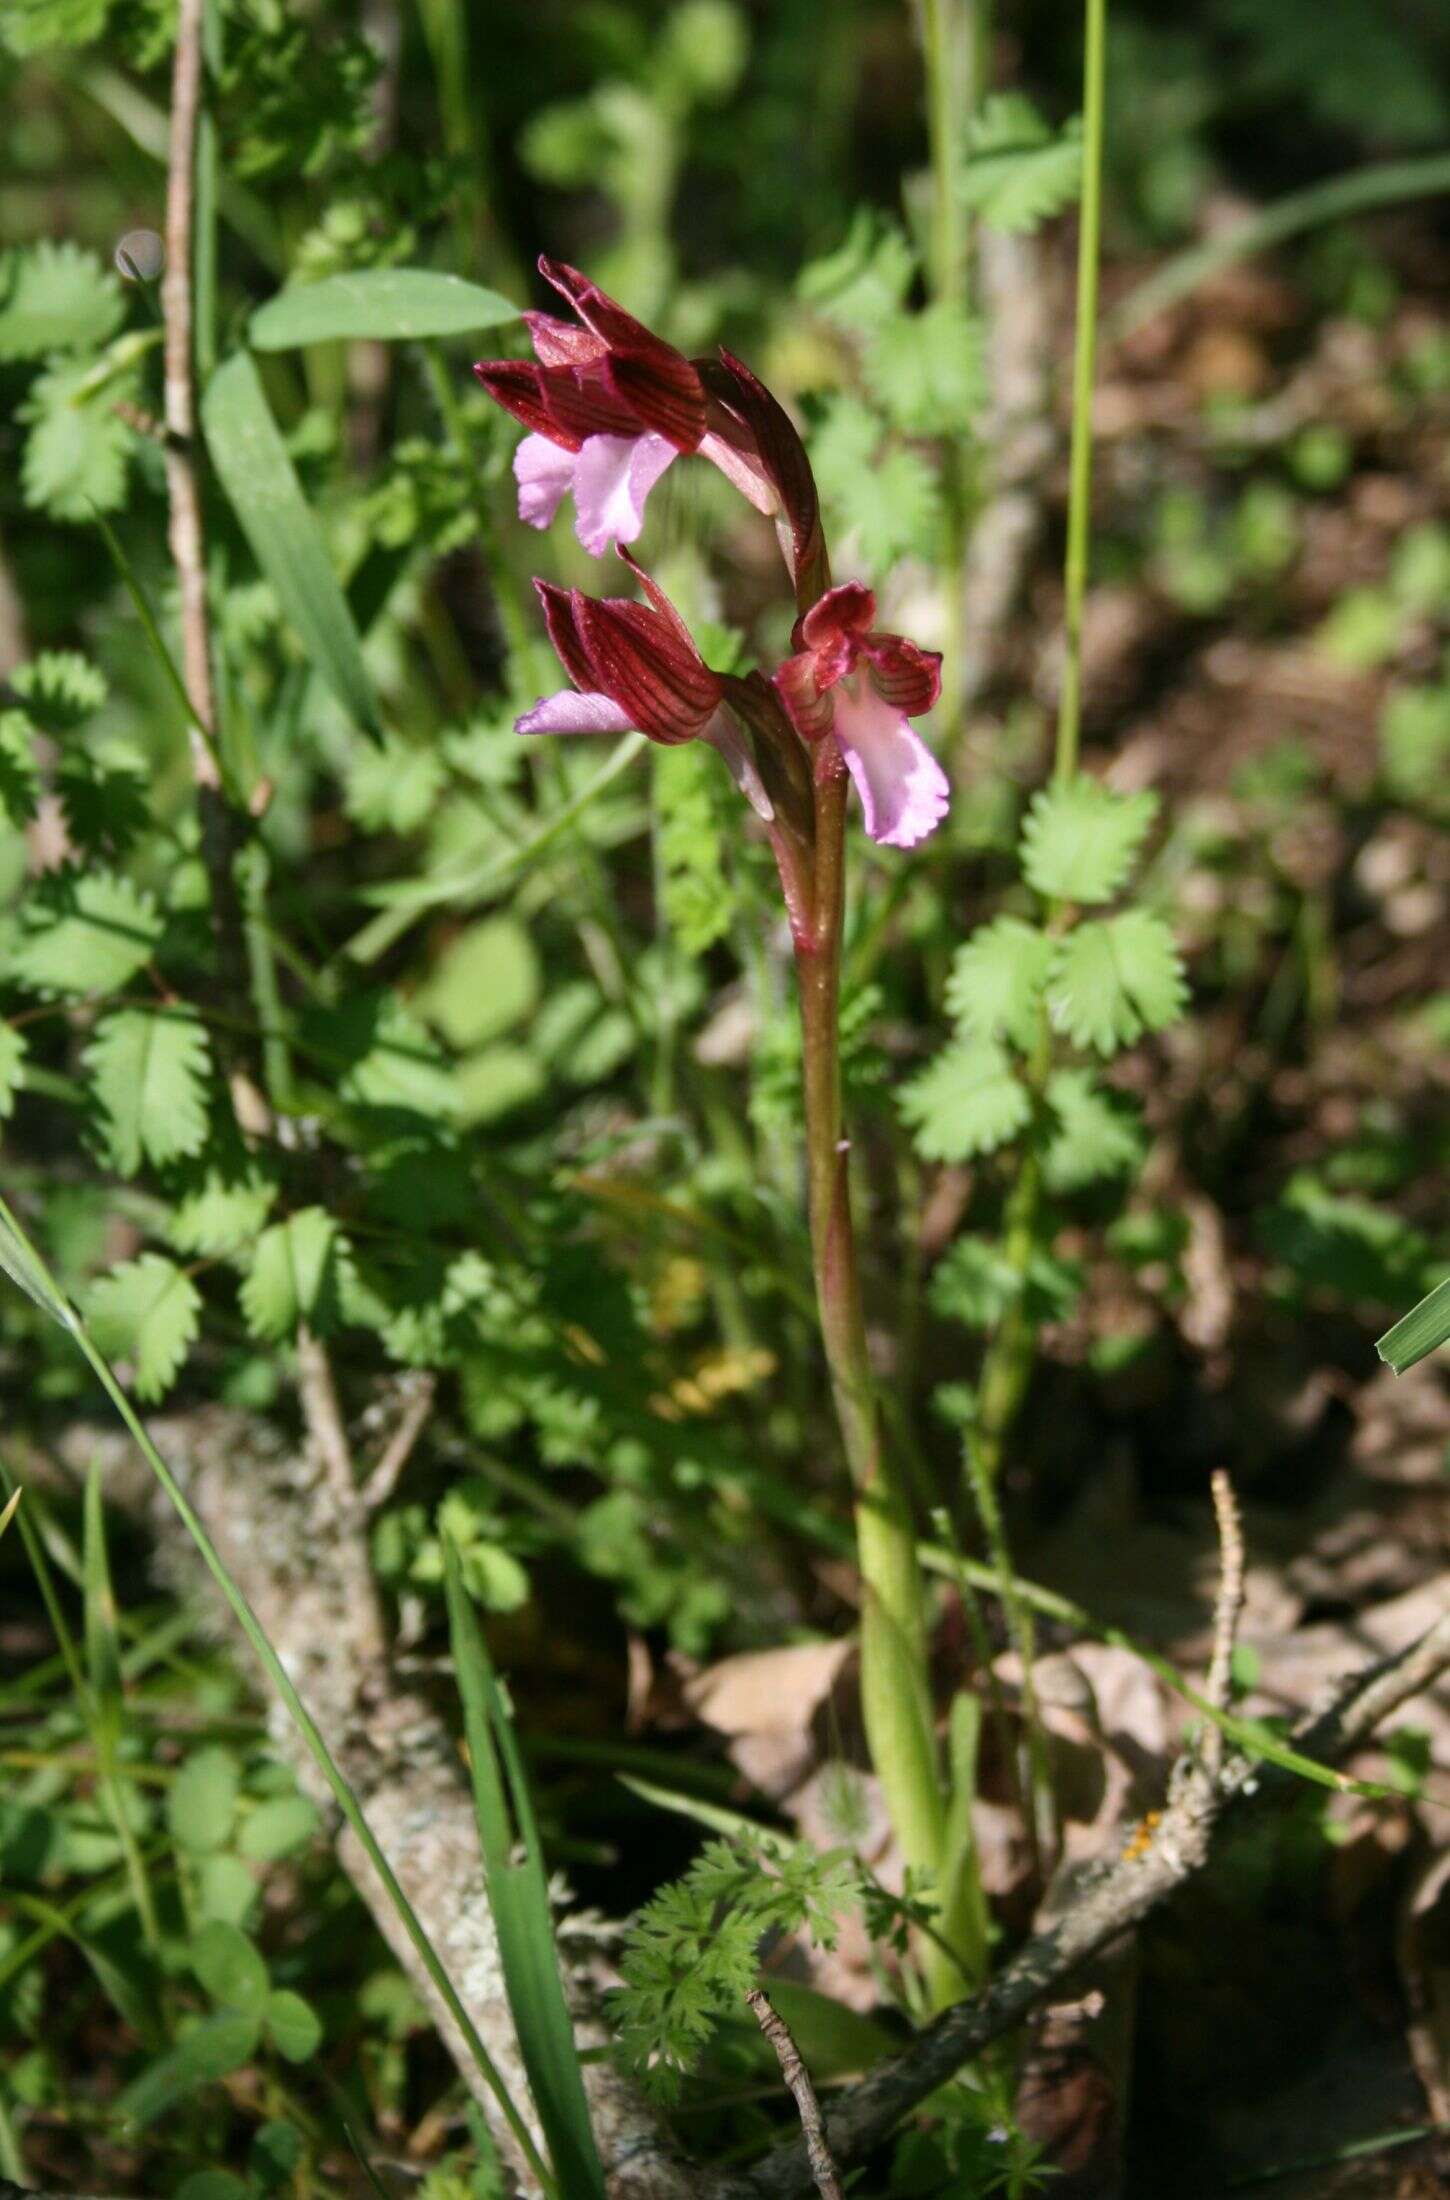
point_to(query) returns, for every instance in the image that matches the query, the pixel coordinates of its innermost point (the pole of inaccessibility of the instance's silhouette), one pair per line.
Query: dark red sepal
(640, 661)
(520, 388)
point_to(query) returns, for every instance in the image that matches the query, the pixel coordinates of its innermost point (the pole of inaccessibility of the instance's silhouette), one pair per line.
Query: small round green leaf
(230, 1968)
(294, 2026)
(203, 1800)
(212, 2184)
(278, 1828)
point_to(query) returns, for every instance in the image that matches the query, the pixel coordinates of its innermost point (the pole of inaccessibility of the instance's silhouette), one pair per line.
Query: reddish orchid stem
(895, 1681)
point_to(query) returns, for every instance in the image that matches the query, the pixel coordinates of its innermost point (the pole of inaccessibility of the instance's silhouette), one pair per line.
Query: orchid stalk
(609, 407)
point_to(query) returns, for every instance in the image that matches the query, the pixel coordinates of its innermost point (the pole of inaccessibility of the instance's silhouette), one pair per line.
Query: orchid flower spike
(610, 406)
(859, 688)
(634, 667)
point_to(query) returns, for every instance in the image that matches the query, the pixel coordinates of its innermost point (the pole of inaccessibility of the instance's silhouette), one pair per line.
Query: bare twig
(419, 1391)
(798, 2082)
(1120, 1898)
(187, 536)
(1227, 1612)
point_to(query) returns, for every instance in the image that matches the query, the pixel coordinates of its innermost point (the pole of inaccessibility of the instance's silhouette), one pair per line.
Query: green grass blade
(12, 1506)
(257, 473)
(103, 1659)
(518, 1893)
(1252, 1736)
(1387, 183)
(387, 303)
(1420, 1332)
(302, 1719)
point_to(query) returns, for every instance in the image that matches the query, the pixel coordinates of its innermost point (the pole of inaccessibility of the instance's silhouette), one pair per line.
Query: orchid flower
(860, 688)
(635, 668)
(610, 406)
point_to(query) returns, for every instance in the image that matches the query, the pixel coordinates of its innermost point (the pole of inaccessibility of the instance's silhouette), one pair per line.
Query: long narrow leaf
(377, 302)
(518, 1895)
(1420, 1332)
(257, 473)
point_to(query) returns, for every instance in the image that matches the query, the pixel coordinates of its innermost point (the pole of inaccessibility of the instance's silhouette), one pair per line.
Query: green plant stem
(944, 116)
(895, 1678)
(1079, 507)
(1007, 1364)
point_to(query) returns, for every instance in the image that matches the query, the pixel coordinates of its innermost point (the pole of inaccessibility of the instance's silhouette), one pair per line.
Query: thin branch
(419, 1392)
(798, 2082)
(1124, 1895)
(187, 536)
(1227, 1612)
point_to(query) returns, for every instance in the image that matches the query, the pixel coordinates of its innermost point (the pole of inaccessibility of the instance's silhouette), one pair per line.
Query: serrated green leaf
(844, 440)
(976, 1284)
(19, 773)
(1080, 840)
(968, 1101)
(381, 303)
(1332, 1241)
(890, 508)
(1419, 1333)
(202, 1802)
(13, 1051)
(74, 463)
(55, 297)
(996, 981)
(866, 278)
(927, 370)
(258, 475)
(1114, 978)
(1095, 1134)
(59, 688)
(84, 932)
(295, 1276)
(29, 26)
(393, 788)
(221, 1213)
(150, 1071)
(1017, 173)
(146, 1311)
(105, 798)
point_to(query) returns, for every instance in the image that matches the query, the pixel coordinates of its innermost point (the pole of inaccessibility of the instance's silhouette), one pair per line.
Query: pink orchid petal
(570, 712)
(545, 475)
(724, 735)
(613, 475)
(904, 791)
